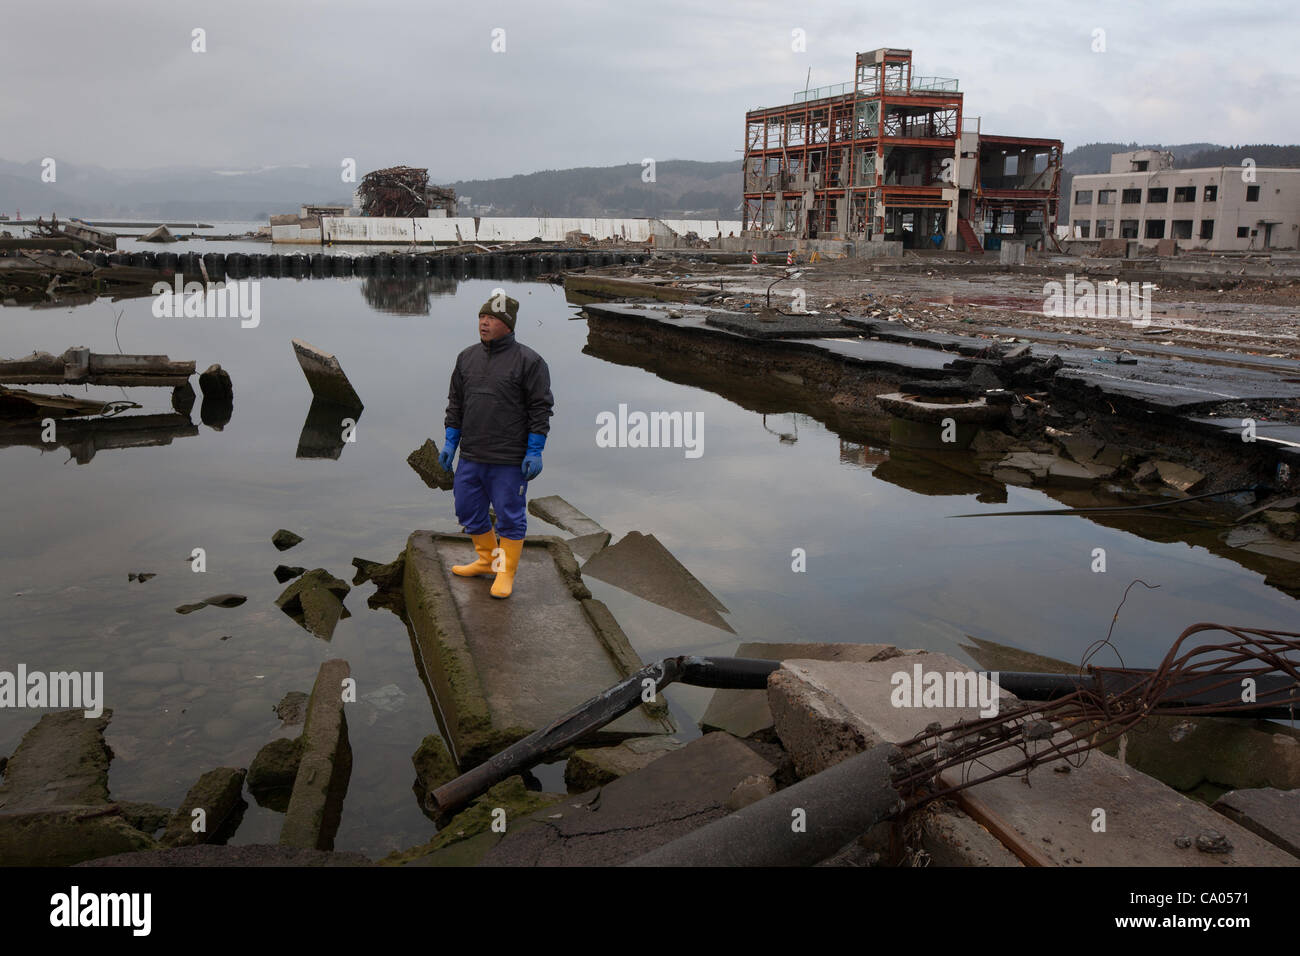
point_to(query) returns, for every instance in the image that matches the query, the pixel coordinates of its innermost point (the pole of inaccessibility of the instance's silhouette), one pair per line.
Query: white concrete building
(1218, 208)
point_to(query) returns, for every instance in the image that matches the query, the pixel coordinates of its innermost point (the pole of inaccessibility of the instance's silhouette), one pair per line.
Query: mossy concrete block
(315, 601)
(499, 670)
(469, 835)
(62, 836)
(272, 773)
(433, 763)
(316, 803)
(145, 817)
(217, 794)
(62, 761)
(1186, 752)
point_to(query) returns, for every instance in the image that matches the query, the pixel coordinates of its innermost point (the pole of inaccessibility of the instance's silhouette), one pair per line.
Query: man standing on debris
(498, 415)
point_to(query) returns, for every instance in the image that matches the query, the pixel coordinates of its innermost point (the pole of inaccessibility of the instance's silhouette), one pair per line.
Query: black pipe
(1199, 690)
(729, 672)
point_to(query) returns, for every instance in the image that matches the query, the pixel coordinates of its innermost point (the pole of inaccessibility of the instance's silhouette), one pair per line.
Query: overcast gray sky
(583, 83)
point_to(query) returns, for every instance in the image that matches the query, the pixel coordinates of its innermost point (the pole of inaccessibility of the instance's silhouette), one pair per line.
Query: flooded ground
(190, 692)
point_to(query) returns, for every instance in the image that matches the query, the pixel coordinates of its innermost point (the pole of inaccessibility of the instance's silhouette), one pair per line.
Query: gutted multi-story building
(889, 157)
(1218, 208)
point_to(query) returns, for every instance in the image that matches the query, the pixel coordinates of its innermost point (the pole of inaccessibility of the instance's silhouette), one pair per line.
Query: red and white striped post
(753, 258)
(789, 258)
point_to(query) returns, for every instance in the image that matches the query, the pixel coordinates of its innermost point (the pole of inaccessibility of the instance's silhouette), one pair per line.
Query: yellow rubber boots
(505, 582)
(484, 544)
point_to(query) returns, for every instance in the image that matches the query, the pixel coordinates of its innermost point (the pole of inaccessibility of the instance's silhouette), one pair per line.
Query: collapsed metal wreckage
(403, 192)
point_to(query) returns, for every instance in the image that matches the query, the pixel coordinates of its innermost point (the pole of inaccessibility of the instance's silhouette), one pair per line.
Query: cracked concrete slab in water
(640, 565)
(501, 669)
(636, 813)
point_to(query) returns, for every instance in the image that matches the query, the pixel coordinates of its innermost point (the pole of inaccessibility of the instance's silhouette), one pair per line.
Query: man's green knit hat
(502, 307)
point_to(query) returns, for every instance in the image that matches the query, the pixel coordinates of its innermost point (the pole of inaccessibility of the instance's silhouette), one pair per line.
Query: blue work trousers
(502, 486)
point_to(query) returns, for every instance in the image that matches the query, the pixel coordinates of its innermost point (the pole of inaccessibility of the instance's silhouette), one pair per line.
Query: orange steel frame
(814, 136)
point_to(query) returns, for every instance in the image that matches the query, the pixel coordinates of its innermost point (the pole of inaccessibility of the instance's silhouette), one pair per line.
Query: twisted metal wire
(1094, 715)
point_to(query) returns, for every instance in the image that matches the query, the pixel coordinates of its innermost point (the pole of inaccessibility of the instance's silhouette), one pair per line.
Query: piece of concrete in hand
(325, 376)
(826, 712)
(1271, 814)
(636, 813)
(316, 803)
(642, 566)
(207, 809)
(315, 602)
(424, 461)
(499, 670)
(745, 712)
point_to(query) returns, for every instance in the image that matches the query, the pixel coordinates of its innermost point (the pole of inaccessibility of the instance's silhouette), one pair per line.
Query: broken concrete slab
(215, 384)
(273, 771)
(468, 836)
(285, 573)
(638, 812)
(826, 712)
(642, 566)
(325, 376)
(315, 602)
(161, 234)
(62, 761)
(146, 817)
(424, 462)
(557, 511)
(292, 708)
(588, 545)
(207, 808)
(1179, 477)
(316, 803)
(596, 766)
(951, 838)
(1269, 813)
(65, 835)
(499, 670)
(284, 540)
(1188, 752)
(745, 712)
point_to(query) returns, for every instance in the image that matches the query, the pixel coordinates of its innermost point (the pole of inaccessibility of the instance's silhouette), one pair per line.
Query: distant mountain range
(680, 188)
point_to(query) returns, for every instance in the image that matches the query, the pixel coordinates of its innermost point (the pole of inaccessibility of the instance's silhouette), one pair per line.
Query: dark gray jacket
(500, 392)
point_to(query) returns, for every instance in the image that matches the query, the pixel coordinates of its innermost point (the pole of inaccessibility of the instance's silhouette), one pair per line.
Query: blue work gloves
(532, 466)
(449, 445)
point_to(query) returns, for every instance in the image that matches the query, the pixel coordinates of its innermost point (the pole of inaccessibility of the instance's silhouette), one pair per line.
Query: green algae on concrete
(500, 670)
(469, 835)
(62, 836)
(216, 795)
(62, 761)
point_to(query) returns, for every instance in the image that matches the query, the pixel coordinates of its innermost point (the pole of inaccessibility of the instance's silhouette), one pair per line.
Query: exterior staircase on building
(968, 236)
